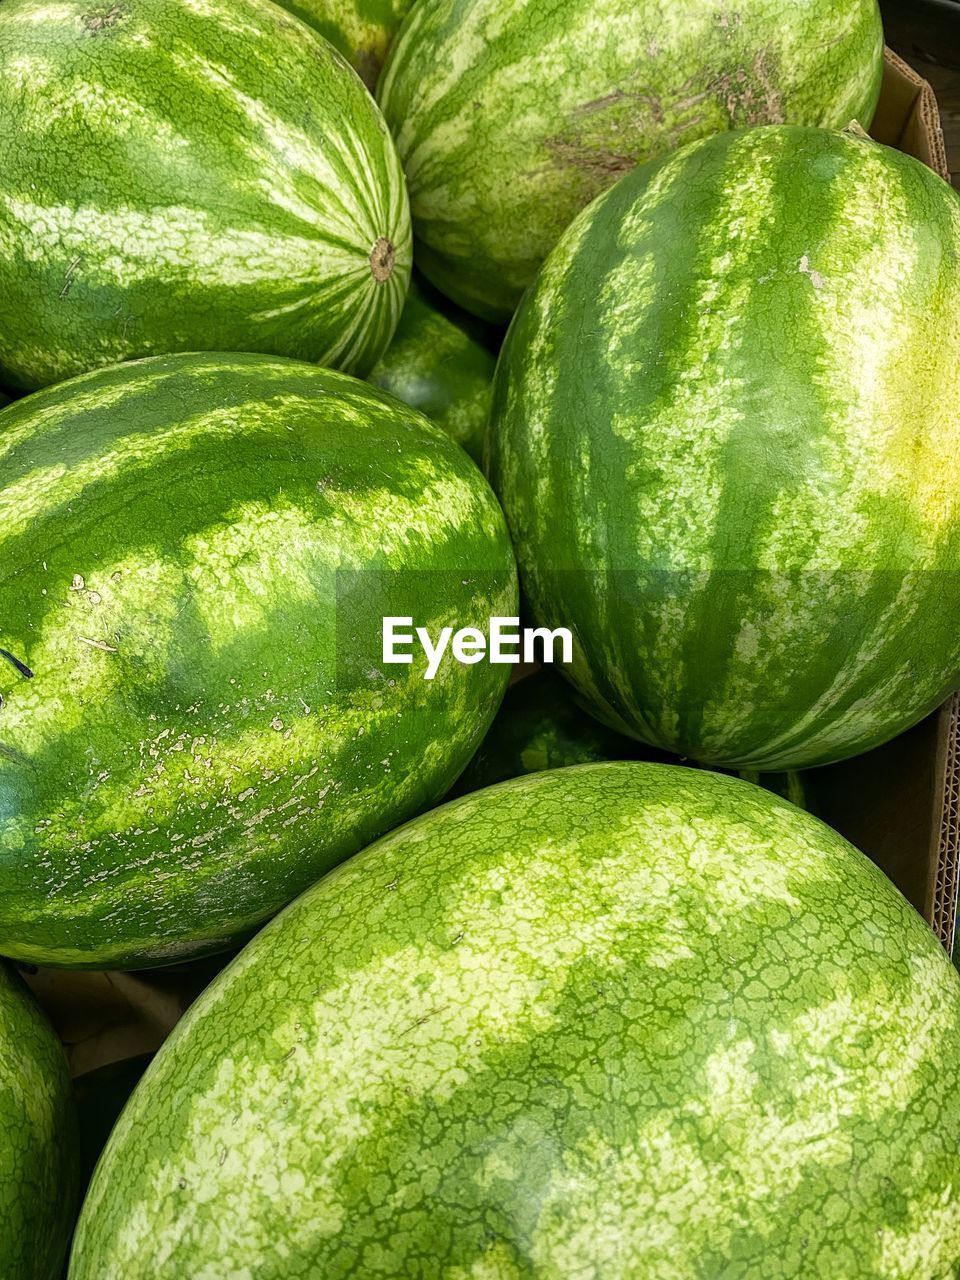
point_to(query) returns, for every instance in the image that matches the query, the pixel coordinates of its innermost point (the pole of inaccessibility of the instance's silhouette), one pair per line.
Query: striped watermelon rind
(197, 555)
(39, 1165)
(722, 424)
(189, 177)
(361, 29)
(625, 1018)
(510, 117)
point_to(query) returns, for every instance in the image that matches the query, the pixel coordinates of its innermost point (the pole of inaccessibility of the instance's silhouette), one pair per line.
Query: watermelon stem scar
(15, 662)
(383, 257)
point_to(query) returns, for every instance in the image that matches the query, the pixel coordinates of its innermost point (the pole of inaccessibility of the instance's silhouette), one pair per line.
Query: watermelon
(189, 177)
(538, 727)
(723, 425)
(622, 1020)
(39, 1186)
(360, 29)
(196, 556)
(436, 365)
(510, 115)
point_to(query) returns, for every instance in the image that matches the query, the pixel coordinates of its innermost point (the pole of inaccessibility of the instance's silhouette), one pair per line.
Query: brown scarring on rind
(383, 257)
(105, 18)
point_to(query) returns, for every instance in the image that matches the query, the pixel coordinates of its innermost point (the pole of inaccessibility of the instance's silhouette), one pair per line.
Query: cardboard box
(900, 804)
(908, 117)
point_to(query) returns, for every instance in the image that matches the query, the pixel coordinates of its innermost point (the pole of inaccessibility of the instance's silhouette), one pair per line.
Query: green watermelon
(621, 1020)
(196, 556)
(39, 1183)
(723, 428)
(437, 366)
(511, 115)
(360, 29)
(189, 177)
(538, 727)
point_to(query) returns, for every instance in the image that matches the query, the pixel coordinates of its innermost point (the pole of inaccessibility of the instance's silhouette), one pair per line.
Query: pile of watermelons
(629, 1019)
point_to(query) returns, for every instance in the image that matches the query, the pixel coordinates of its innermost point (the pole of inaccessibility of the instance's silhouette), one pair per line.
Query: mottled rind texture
(511, 115)
(39, 1183)
(437, 366)
(196, 555)
(538, 727)
(360, 29)
(617, 1021)
(724, 428)
(188, 175)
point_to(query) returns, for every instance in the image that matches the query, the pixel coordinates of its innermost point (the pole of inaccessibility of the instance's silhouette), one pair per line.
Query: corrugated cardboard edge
(946, 889)
(916, 130)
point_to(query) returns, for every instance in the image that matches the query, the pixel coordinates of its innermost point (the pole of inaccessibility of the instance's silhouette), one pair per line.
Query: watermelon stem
(383, 257)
